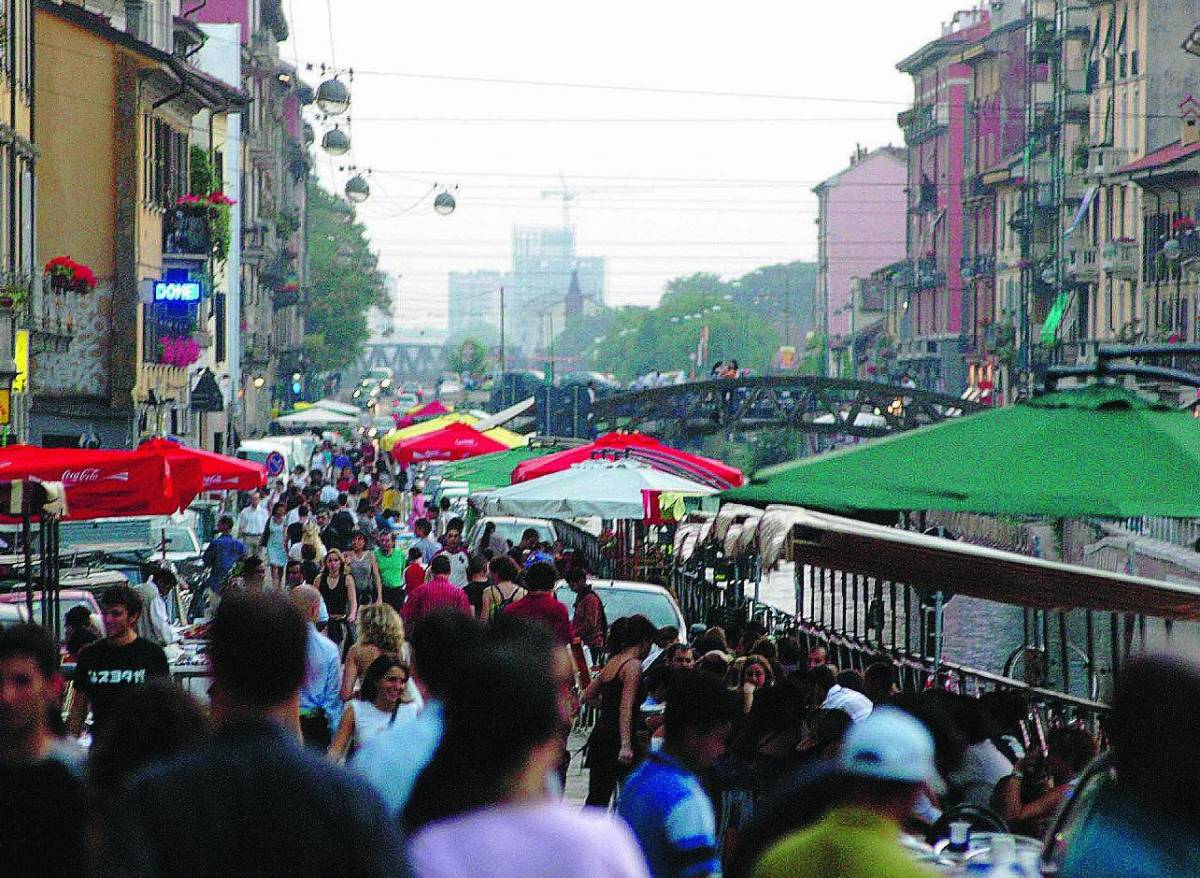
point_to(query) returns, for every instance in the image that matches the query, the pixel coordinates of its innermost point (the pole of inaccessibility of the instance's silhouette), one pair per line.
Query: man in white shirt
(833, 696)
(153, 624)
(329, 493)
(252, 520)
(299, 478)
(453, 549)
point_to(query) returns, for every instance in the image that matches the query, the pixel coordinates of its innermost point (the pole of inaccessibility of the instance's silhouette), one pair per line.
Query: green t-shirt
(847, 843)
(391, 568)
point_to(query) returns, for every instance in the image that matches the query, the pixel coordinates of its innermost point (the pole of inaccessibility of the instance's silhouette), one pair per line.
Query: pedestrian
(588, 618)
(880, 683)
(153, 624)
(419, 510)
(219, 557)
(982, 766)
(250, 800)
(529, 544)
(293, 575)
(365, 518)
(888, 761)
(756, 675)
(335, 585)
(299, 477)
(454, 549)
(393, 760)
(428, 546)
(828, 694)
(361, 562)
(436, 594)
(380, 632)
(80, 630)
(1068, 751)
(154, 722)
(41, 794)
(679, 657)
(390, 565)
(274, 543)
(504, 591)
(492, 540)
(252, 520)
(415, 572)
(107, 669)
(540, 604)
(342, 524)
(320, 703)
(663, 800)
(383, 702)
(474, 814)
(612, 747)
(478, 580)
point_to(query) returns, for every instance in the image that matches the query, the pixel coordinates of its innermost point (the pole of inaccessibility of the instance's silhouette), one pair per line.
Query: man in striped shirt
(662, 800)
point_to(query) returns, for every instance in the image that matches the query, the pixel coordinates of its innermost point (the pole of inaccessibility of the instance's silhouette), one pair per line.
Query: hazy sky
(666, 183)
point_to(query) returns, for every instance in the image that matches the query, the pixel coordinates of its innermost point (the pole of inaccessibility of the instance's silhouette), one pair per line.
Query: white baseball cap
(890, 744)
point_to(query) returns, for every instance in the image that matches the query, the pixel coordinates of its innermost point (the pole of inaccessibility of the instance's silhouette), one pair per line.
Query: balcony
(46, 313)
(1083, 265)
(1120, 258)
(1105, 160)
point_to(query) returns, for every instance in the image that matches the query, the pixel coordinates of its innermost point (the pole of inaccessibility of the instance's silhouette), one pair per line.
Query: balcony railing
(1120, 258)
(47, 314)
(1105, 160)
(1083, 264)
(186, 232)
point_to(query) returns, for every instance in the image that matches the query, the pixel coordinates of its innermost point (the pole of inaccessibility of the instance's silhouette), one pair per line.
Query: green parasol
(1092, 451)
(489, 471)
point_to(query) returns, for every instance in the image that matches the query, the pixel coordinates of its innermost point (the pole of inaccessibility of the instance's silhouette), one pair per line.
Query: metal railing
(860, 620)
(1177, 531)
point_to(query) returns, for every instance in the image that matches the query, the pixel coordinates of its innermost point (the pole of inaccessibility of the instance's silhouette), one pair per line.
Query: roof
(899, 153)
(212, 91)
(1160, 158)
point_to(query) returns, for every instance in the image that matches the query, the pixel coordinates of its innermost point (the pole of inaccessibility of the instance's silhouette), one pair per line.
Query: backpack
(498, 609)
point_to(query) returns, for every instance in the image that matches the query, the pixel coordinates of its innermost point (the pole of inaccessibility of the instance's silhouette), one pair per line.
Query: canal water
(983, 635)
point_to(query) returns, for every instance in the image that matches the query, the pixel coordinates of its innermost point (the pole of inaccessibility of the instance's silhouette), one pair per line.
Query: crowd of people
(377, 713)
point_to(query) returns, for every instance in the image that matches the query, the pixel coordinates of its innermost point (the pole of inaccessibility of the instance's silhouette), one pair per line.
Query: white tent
(316, 417)
(333, 405)
(599, 488)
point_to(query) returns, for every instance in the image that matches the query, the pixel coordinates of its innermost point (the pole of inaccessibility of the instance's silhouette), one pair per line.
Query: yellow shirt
(392, 498)
(846, 843)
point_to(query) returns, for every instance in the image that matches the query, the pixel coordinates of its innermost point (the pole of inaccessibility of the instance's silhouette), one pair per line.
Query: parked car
(69, 598)
(625, 598)
(511, 528)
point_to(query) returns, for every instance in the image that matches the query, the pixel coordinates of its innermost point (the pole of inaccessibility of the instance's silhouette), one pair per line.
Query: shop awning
(453, 442)
(639, 447)
(491, 470)
(389, 439)
(891, 554)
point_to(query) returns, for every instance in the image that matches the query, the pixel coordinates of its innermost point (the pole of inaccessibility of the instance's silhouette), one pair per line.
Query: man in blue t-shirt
(222, 553)
(662, 800)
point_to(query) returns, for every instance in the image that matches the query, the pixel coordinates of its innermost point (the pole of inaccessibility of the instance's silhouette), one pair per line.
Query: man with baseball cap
(887, 759)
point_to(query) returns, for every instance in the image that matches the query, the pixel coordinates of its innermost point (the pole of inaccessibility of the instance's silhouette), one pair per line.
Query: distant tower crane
(566, 194)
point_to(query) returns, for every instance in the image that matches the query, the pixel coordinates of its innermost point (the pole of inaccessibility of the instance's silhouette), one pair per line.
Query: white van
(258, 450)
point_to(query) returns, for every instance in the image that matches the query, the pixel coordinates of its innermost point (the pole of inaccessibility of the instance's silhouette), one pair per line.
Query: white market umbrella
(595, 488)
(333, 405)
(315, 417)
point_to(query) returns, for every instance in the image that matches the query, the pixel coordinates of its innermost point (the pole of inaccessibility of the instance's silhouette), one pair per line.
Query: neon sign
(176, 291)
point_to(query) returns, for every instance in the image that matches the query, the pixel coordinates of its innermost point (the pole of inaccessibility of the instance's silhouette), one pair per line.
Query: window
(164, 163)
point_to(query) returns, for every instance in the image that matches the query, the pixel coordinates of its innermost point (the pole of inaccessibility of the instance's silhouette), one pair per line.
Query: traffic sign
(275, 463)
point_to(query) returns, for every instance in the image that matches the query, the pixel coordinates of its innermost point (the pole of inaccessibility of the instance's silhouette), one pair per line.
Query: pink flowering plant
(180, 352)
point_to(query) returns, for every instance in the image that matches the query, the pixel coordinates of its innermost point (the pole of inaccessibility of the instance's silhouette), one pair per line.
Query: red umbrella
(105, 483)
(452, 442)
(640, 447)
(430, 410)
(219, 472)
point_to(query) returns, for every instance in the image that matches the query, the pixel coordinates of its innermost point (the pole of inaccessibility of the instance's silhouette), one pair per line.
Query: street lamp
(357, 189)
(444, 204)
(333, 97)
(336, 141)
(259, 381)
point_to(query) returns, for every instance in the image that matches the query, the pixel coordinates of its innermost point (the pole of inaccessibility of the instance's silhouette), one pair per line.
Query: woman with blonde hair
(756, 674)
(380, 632)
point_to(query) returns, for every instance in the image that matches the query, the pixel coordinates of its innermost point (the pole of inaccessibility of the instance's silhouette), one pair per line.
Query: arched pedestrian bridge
(834, 406)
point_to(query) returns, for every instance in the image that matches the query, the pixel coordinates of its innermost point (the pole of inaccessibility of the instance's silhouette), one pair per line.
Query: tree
(469, 360)
(344, 282)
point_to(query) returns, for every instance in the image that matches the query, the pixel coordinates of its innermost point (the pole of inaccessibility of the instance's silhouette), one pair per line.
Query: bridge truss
(833, 406)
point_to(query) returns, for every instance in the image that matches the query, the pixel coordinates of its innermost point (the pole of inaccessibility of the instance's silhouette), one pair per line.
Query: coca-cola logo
(80, 476)
(90, 475)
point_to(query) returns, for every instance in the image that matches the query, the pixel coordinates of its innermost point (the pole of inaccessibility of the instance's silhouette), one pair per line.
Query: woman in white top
(381, 703)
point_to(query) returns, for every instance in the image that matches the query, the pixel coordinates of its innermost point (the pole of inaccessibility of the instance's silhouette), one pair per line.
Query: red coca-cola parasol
(106, 483)
(640, 447)
(218, 471)
(452, 442)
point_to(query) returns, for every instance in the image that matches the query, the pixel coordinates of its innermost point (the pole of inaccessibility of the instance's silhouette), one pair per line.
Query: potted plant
(179, 351)
(13, 296)
(68, 275)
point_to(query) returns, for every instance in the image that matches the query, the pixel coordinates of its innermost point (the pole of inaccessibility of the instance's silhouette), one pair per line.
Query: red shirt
(437, 594)
(544, 607)
(414, 575)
